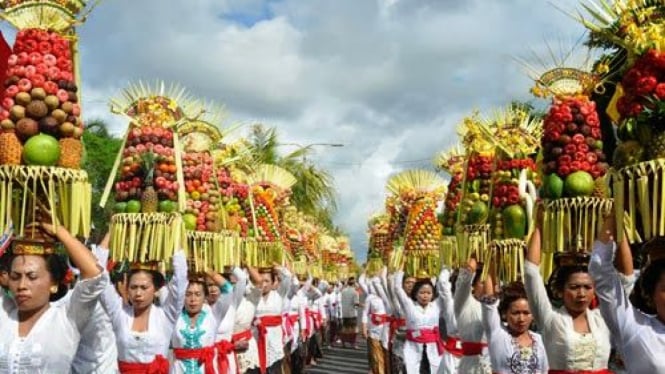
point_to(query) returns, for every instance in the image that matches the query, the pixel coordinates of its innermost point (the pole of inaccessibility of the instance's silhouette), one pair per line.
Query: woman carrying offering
(468, 314)
(576, 337)
(36, 336)
(513, 349)
(143, 330)
(194, 336)
(641, 337)
(423, 344)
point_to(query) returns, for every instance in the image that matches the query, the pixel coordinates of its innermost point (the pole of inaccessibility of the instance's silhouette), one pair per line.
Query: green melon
(41, 150)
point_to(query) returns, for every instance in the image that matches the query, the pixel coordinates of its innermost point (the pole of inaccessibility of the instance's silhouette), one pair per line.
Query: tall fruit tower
(40, 119)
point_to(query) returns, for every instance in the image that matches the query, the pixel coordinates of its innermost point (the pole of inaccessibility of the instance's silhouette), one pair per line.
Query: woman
(451, 357)
(468, 313)
(513, 349)
(576, 337)
(423, 344)
(641, 337)
(36, 336)
(143, 330)
(245, 348)
(224, 337)
(194, 336)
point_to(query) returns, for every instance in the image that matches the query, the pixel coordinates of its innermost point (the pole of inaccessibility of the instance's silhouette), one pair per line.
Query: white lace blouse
(52, 342)
(641, 337)
(506, 356)
(566, 349)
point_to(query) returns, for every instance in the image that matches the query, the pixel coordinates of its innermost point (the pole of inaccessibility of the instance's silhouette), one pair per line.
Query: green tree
(101, 149)
(314, 193)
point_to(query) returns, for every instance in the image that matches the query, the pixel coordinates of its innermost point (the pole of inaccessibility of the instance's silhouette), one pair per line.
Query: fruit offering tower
(147, 178)
(344, 257)
(473, 234)
(637, 28)
(573, 165)
(270, 187)
(420, 191)
(40, 117)
(378, 231)
(209, 245)
(516, 136)
(452, 162)
(231, 162)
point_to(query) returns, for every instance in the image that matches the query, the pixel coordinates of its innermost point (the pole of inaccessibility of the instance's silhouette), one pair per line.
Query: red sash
(239, 337)
(316, 318)
(454, 346)
(160, 365)
(597, 371)
(395, 324)
(380, 319)
(224, 347)
(262, 324)
(289, 322)
(473, 348)
(430, 335)
(204, 356)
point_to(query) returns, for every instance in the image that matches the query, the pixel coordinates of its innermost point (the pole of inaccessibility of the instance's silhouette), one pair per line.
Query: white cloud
(389, 78)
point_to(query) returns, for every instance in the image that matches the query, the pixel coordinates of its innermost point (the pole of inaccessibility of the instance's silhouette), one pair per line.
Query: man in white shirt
(350, 302)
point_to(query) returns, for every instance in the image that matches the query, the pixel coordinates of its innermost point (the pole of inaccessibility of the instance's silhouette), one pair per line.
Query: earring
(54, 289)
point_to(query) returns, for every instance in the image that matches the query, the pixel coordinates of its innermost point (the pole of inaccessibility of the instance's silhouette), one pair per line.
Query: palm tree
(314, 193)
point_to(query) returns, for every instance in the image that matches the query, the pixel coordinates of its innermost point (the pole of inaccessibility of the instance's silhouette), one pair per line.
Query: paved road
(342, 361)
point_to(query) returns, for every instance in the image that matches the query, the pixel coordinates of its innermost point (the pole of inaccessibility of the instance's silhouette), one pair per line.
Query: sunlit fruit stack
(40, 114)
(474, 209)
(147, 181)
(637, 29)
(452, 162)
(420, 192)
(516, 136)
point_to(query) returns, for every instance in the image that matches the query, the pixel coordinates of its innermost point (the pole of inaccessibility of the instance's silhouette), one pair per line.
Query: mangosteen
(71, 86)
(59, 115)
(564, 139)
(17, 112)
(556, 151)
(12, 80)
(574, 110)
(571, 127)
(585, 130)
(579, 119)
(73, 119)
(73, 97)
(23, 98)
(26, 128)
(62, 84)
(37, 109)
(52, 102)
(49, 125)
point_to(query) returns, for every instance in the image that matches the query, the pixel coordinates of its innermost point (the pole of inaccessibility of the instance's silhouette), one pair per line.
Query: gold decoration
(64, 192)
(638, 191)
(216, 251)
(144, 238)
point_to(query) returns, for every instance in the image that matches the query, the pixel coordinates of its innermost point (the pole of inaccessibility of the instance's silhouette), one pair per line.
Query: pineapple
(601, 188)
(71, 151)
(149, 196)
(10, 148)
(656, 146)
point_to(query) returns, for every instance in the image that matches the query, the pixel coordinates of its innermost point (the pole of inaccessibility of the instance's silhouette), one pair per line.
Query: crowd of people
(591, 312)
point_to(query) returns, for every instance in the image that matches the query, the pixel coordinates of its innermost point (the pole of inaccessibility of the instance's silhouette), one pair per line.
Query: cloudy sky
(389, 79)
